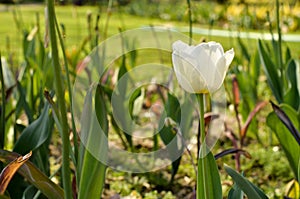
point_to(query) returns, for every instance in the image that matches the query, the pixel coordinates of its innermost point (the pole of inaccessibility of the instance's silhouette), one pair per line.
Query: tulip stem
(58, 78)
(202, 150)
(201, 114)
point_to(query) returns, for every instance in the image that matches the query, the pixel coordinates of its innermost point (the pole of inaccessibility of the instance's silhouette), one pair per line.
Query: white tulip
(201, 68)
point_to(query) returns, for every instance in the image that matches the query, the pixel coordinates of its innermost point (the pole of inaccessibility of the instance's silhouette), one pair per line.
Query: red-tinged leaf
(9, 171)
(34, 176)
(231, 151)
(208, 117)
(286, 121)
(257, 108)
(235, 91)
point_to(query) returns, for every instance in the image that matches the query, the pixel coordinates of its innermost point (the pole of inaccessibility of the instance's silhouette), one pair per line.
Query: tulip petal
(187, 75)
(220, 74)
(229, 55)
(179, 46)
(200, 68)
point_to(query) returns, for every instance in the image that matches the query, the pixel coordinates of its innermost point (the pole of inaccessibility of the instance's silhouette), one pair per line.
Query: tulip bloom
(201, 68)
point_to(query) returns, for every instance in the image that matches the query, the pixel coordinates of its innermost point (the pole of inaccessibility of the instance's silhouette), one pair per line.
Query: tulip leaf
(22, 103)
(235, 192)
(34, 176)
(292, 96)
(245, 185)
(208, 178)
(36, 133)
(244, 49)
(231, 151)
(284, 135)
(271, 72)
(9, 171)
(254, 69)
(167, 133)
(91, 187)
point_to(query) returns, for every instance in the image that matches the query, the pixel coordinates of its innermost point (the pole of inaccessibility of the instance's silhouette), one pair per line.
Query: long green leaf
(35, 134)
(209, 178)
(244, 49)
(92, 177)
(23, 104)
(249, 189)
(292, 96)
(285, 137)
(271, 72)
(33, 175)
(167, 132)
(235, 192)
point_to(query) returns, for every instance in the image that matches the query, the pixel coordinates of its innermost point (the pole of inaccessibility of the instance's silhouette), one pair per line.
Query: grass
(74, 20)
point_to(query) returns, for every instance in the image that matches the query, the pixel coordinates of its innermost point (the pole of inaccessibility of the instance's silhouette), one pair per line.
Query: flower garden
(150, 99)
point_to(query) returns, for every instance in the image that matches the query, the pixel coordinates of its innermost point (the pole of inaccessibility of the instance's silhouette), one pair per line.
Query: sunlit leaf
(248, 188)
(34, 176)
(9, 171)
(293, 189)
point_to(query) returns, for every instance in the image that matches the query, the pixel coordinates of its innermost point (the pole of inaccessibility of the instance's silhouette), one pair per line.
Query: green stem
(201, 111)
(69, 90)
(201, 164)
(2, 122)
(190, 21)
(61, 103)
(279, 41)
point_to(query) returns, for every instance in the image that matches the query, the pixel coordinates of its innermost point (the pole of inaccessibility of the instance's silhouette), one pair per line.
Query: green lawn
(75, 22)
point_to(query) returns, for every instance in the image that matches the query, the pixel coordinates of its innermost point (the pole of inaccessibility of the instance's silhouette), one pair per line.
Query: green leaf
(136, 98)
(167, 133)
(208, 177)
(34, 176)
(248, 188)
(92, 179)
(254, 69)
(271, 72)
(285, 138)
(235, 192)
(292, 96)
(288, 55)
(244, 49)
(35, 134)
(22, 103)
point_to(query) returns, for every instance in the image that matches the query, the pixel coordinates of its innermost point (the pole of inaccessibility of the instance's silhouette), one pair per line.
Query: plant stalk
(190, 22)
(69, 90)
(279, 41)
(61, 103)
(200, 98)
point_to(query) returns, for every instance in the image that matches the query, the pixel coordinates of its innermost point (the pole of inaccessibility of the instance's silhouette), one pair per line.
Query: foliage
(31, 117)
